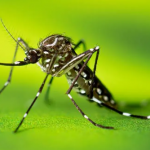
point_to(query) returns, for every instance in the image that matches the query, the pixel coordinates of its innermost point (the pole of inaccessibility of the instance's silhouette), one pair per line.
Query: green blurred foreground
(60, 126)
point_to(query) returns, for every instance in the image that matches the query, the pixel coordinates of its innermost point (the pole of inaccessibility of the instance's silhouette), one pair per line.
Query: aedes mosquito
(56, 56)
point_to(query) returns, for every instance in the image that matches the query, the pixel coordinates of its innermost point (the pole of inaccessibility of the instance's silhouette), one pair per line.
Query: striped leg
(97, 55)
(93, 75)
(48, 90)
(125, 113)
(11, 70)
(37, 95)
(69, 90)
(85, 116)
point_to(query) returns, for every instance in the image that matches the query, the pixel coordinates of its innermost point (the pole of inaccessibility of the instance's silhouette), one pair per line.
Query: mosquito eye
(33, 58)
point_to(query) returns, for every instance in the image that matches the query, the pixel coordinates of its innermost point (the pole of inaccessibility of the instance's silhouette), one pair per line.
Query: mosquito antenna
(10, 33)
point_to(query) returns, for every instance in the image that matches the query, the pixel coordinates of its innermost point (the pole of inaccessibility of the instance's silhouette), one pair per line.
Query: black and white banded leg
(97, 55)
(11, 70)
(93, 76)
(48, 90)
(27, 112)
(85, 116)
(69, 90)
(125, 113)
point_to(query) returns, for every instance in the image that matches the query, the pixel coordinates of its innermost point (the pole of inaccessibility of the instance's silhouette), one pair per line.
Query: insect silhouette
(56, 56)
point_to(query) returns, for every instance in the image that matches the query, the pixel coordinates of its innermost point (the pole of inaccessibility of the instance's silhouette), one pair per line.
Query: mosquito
(56, 56)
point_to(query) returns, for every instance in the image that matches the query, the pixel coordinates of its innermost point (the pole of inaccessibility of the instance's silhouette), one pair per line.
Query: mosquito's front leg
(11, 70)
(37, 95)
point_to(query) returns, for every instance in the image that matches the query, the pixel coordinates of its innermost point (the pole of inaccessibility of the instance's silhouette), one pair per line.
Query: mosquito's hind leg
(125, 113)
(93, 76)
(11, 70)
(48, 90)
(86, 117)
(69, 90)
(94, 70)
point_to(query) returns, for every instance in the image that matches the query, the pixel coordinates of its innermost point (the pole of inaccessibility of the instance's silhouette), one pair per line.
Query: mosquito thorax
(56, 43)
(33, 55)
(56, 51)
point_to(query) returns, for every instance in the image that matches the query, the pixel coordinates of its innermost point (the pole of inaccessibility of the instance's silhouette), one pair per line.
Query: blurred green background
(121, 29)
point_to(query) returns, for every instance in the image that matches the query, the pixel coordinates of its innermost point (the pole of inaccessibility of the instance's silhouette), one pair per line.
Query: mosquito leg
(97, 55)
(27, 112)
(125, 113)
(93, 76)
(48, 90)
(69, 90)
(85, 116)
(11, 70)
(79, 43)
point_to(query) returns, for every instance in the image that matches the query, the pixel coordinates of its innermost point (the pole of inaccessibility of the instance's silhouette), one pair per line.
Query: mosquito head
(32, 56)
(56, 43)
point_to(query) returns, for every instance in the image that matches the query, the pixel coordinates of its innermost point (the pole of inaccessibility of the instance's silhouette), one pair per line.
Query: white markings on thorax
(56, 65)
(53, 70)
(69, 73)
(61, 38)
(53, 44)
(45, 52)
(47, 60)
(62, 46)
(90, 81)
(66, 54)
(47, 65)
